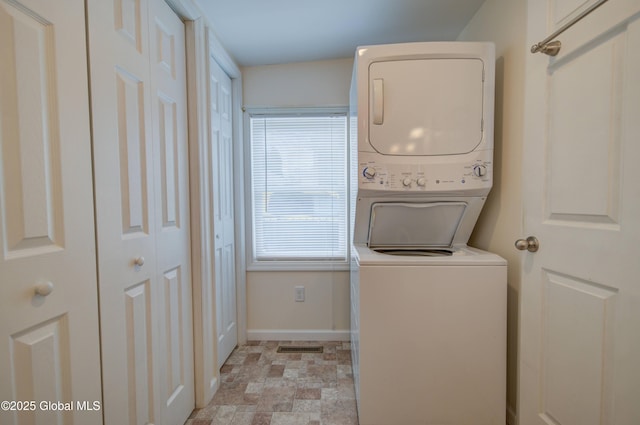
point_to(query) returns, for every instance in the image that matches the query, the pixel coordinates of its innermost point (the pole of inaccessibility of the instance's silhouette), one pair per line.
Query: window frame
(253, 264)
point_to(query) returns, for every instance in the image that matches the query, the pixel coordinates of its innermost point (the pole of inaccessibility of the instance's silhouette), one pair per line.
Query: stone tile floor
(259, 386)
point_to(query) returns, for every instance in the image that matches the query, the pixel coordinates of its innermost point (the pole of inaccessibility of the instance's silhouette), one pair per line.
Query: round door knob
(44, 289)
(530, 244)
(139, 261)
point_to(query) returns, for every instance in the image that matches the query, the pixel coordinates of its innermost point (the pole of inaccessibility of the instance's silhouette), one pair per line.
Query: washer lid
(414, 225)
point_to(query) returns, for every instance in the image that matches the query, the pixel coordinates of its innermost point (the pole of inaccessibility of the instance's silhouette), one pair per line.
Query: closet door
(49, 349)
(139, 134)
(173, 265)
(123, 158)
(222, 210)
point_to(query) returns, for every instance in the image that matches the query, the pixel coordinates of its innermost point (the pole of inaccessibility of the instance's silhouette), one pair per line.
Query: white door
(223, 224)
(171, 208)
(123, 162)
(49, 349)
(580, 299)
(139, 135)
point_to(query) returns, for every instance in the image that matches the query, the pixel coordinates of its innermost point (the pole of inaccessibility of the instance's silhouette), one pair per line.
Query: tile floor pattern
(259, 386)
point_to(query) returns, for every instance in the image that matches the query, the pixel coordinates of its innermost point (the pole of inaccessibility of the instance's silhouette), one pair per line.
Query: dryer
(424, 133)
(428, 313)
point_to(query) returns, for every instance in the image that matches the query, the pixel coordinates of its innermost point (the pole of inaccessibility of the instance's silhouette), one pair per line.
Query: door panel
(50, 348)
(128, 20)
(573, 354)
(578, 348)
(175, 338)
(139, 355)
(168, 161)
(134, 184)
(33, 217)
(593, 139)
(42, 369)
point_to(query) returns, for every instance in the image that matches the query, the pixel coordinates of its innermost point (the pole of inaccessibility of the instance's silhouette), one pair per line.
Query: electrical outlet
(299, 293)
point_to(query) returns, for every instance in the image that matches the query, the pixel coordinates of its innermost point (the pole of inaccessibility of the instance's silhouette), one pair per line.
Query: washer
(429, 337)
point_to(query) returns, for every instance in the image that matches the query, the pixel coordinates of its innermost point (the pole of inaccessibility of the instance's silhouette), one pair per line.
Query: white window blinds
(299, 187)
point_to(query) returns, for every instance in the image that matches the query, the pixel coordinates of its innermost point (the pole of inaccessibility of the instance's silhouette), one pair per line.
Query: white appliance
(428, 313)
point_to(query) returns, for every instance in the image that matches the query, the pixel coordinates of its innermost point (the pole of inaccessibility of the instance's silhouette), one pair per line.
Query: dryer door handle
(378, 101)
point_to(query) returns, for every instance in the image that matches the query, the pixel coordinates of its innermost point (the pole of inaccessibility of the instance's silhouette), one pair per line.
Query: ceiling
(262, 32)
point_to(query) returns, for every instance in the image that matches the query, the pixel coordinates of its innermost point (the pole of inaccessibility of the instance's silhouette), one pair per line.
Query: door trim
(201, 45)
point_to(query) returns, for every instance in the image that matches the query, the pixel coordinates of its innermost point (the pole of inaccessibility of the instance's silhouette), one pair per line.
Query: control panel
(374, 175)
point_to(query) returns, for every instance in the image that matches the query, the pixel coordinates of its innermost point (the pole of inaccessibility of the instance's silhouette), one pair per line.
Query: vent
(294, 349)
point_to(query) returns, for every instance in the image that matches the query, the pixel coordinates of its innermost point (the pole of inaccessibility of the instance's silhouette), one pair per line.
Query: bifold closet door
(138, 98)
(49, 340)
(171, 182)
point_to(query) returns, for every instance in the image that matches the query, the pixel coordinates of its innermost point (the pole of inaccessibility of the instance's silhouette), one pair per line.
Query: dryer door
(425, 106)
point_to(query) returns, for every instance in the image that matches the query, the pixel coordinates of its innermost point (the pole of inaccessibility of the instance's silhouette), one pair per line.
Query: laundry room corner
(500, 223)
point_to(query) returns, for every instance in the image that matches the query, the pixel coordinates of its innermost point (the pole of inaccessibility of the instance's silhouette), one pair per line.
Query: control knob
(369, 172)
(421, 181)
(406, 181)
(479, 170)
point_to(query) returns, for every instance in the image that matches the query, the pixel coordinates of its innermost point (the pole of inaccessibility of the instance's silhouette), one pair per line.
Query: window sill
(275, 265)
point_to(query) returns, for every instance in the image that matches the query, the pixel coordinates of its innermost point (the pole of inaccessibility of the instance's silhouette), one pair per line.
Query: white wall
(272, 312)
(303, 84)
(504, 23)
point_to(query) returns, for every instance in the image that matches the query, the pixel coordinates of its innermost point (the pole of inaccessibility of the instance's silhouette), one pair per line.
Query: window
(299, 187)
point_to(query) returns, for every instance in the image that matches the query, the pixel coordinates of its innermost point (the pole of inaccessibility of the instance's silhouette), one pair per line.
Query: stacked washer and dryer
(428, 312)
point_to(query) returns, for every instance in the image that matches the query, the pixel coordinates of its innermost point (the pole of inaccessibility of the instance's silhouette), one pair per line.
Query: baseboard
(511, 416)
(297, 335)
